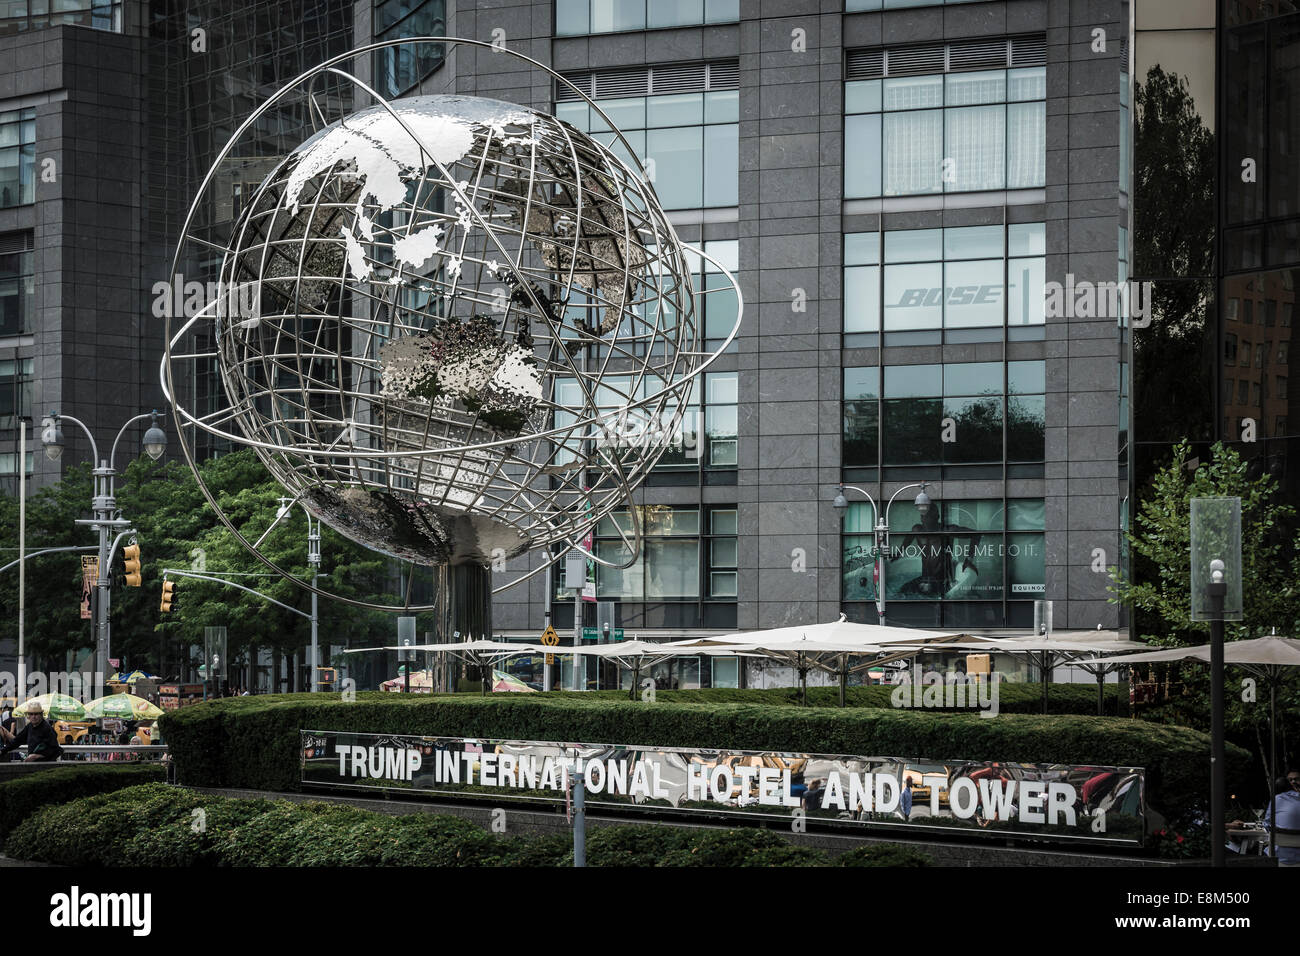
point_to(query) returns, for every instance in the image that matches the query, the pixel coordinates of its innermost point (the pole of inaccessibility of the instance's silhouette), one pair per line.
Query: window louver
(951, 58)
(1029, 51)
(977, 55)
(912, 60)
(648, 81)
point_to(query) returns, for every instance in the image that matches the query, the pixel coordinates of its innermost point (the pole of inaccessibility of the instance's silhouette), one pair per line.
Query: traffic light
(328, 675)
(131, 564)
(166, 604)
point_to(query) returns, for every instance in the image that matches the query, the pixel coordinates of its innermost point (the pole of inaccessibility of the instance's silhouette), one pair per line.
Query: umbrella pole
(636, 679)
(844, 679)
(1101, 692)
(1272, 767)
(803, 681)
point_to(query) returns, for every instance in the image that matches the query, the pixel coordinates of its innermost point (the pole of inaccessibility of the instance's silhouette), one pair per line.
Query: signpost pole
(579, 818)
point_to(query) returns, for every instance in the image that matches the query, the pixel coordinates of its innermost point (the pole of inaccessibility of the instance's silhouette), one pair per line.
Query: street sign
(549, 637)
(591, 633)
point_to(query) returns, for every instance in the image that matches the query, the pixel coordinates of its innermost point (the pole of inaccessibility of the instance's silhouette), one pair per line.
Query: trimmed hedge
(22, 796)
(253, 742)
(158, 825)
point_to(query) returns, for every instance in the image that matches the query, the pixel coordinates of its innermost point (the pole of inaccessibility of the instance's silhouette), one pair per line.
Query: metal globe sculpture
(454, 328)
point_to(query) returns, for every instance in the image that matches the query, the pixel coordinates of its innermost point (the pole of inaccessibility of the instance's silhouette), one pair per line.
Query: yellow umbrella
(122, 706)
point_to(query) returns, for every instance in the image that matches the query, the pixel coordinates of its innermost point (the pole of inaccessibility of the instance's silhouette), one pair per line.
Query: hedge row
(254, 742)
(157, 825)
(22, 796)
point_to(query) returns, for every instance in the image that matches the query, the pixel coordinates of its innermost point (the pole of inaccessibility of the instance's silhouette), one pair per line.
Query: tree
(1159, 591)
(177, 529)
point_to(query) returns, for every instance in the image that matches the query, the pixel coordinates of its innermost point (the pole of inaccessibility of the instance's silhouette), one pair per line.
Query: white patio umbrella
(827, 646)
(1266, 657)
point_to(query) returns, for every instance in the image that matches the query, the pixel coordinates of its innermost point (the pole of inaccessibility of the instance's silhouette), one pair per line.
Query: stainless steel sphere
(426, 304)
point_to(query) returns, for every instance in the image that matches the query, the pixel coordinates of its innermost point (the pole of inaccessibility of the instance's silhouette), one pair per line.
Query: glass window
(721, 419)
(973, 294)
(973, 378)
(579, 17)
(974, 150)
(17, 289)
(971, 242)
(17, 158)
(400, 68)
(913, 431)
(913, 381)
(962, 131)
(912, 146)
(913, 245)
(862, 155)
(1026, 377)
(861, 416)
(688, 143)
(914, 296)
(861, 248)
(862, 299)
(1026, 286)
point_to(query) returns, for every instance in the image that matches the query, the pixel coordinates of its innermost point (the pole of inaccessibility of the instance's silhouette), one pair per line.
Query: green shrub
(884, 854)
(254, 741)
(156, 825)
(741, 848)
(21, 796)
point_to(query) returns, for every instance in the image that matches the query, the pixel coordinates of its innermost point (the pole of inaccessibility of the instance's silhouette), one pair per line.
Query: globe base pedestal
(464, 599)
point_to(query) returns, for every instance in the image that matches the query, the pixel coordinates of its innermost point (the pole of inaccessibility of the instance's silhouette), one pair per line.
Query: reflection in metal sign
(1046, 801)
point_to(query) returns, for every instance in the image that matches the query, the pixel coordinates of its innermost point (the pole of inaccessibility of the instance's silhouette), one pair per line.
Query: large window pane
(913, 92)
(722, 106)
(679, 161)
(862, 96)
(972, 378)
(969, 89)
(973, 294)
(913, 245)
(1026, 420)
(1026, 145)
(914, 297)
(572, 17)
(1026, 377)
(975, 431)
(971, 242)
(675, 13)
(1025, 281)
(861, 417)
(862, 156)
(913, 152)
(672, 569)
(862, 299)
(611, 16)
(678, 109)
(913, 431)
(721, 165)
(913, 381)
(1027, 565)
(975, 145)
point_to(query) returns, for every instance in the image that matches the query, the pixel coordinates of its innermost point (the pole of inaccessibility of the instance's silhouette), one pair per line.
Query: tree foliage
(178, 530)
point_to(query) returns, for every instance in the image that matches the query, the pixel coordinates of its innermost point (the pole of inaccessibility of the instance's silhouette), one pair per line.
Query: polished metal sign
(1046, 801)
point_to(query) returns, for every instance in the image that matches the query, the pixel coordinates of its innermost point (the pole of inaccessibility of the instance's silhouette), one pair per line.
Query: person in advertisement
(937, 543)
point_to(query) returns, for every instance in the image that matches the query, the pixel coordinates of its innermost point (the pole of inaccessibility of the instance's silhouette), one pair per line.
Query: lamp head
(1216, 571)
(840, 502)
(922, 500)
(52, 436)
(155, 439)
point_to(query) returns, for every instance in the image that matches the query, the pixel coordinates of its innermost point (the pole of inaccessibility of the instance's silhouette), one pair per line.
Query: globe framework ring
(455, 329)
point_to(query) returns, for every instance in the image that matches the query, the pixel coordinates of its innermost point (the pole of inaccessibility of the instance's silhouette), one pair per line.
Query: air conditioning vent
(977, 55)
(865, 65)
(649, 81)
(912, 60)
(1029, 51)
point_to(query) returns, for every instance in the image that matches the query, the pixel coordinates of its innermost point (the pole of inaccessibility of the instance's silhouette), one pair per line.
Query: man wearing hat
(38, 735)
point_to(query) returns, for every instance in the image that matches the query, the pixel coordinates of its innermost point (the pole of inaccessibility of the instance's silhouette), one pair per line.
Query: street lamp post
(313, 559)
(1216, 590)
(881, 530)
(105, 518)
